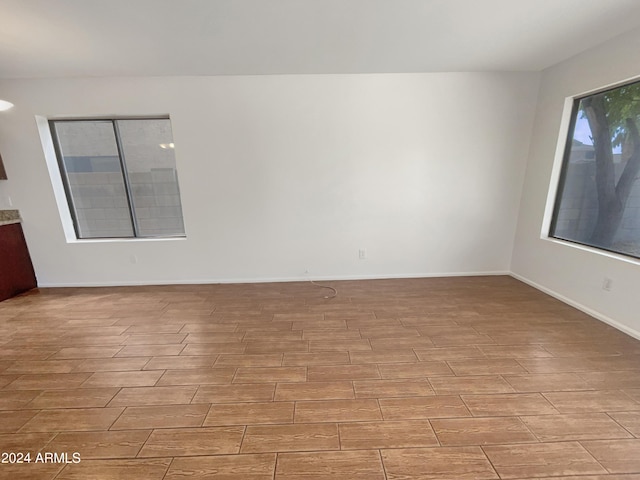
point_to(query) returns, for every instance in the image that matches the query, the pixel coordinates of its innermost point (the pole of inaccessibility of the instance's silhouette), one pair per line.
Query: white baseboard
(600, 316)
(319, 278)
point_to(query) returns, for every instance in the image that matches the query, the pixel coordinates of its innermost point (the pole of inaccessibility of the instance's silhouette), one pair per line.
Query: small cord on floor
(335, 292)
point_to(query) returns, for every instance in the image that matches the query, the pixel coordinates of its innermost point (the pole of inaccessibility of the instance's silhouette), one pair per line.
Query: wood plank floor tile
(329, 373)
(576, 426)
(337, 411)
(86, 352)
(235, 393)
(633, 393)
(581, 349)
(448, 353)
(274, 335)
(542, 460)
(93, 338)
(96, 445)
(298, 437)
(245, 360)
(481, 431)
(312, 318)
(397, 331)
(556, 365)
(123, 379)
(376, 435)
(450, 328)
(382, 357)
(483, 367)
(173, 362)
(21, 353)
(256, 413)
(330, 334)
(209, 349)
(155, 338)
(611, 380)
(414, 370)
(547, 382)
(617, 456)
(470, 385)
(354, 465)
(72, 420)
(11, 421)
(514, 351)
(23, 442)
(462, 339)
(45, 381)
(16, 399)
(150, 350)
(510, 404)
(270, 374)
(149, 469)
(314, 391)
(423, 407)
(629, 420)
(100, 331)
(127, 397)
(74, 398)
(7, 379)
(43, 366)
(113, 364)
(392, 388)
(282, 346)
(336, 345)
(399, 344)
(215, 337)
(171, 328)
(425, 321)
(227, 467)
(198, 376)
(193, 441)
(443, 463)
(306, 359)
(592, 401)
(31, 471)
(164, 416)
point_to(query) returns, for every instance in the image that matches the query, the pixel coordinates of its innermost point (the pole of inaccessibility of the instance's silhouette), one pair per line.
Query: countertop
(8, 217)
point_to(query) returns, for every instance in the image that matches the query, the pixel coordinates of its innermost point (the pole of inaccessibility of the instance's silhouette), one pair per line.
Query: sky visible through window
(582, 132)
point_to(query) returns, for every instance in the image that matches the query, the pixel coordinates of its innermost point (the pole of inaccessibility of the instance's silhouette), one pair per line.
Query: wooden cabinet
(16, 270)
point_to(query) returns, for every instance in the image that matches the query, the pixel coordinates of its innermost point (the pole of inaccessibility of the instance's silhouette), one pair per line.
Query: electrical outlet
(607, 284)
(362, 254)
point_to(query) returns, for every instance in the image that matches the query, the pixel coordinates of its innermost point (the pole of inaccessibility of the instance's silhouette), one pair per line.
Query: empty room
(319, 239)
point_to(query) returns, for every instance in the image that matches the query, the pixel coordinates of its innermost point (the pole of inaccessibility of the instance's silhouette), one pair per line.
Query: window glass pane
(94, 178)
(147, 147)
(599, 196)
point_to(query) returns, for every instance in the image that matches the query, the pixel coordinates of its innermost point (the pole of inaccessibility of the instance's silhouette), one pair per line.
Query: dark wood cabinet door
(16, 269)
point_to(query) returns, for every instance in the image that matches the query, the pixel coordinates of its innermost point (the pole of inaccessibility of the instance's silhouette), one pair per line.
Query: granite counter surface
(8, 217)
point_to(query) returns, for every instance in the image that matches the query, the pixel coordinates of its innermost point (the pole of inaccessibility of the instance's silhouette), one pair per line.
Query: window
(598, 199)
(120, 177)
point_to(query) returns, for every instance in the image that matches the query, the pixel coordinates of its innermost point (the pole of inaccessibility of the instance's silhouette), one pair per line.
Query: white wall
(283, 173)
(573, 273)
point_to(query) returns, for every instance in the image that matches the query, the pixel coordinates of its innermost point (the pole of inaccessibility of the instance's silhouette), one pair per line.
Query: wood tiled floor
(450, 378)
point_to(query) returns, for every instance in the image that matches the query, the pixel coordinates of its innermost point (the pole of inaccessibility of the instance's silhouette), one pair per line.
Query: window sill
(126, 240)
(596, 251)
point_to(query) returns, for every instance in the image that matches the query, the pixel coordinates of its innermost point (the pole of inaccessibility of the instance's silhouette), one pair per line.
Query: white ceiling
(61, 38)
